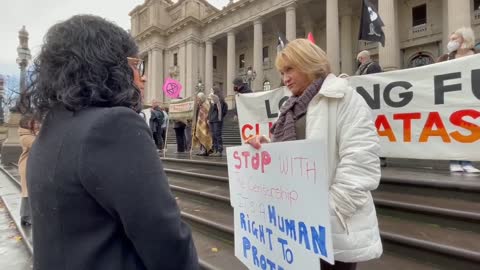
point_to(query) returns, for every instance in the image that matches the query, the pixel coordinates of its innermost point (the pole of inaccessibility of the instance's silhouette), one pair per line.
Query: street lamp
(250, 76)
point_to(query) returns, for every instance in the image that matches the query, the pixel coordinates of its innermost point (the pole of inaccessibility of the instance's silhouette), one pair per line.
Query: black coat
(156, 121)
(100, 197)
(213, 113)
(244, 89)
(371, 68)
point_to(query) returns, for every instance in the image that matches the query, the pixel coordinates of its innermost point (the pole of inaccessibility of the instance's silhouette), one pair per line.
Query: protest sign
(172, 88)
(258, 111)
(280, 201)
(429, 112)
(181, 109)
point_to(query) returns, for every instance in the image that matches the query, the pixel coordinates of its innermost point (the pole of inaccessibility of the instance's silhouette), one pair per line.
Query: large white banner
(280, 201)
(429, 112)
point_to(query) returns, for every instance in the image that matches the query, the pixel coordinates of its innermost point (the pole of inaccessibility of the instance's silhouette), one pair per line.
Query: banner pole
(165, 148)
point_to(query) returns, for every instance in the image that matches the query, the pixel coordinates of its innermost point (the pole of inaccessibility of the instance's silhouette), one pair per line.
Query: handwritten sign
(182, 109)
(280, 201)
(172, 88)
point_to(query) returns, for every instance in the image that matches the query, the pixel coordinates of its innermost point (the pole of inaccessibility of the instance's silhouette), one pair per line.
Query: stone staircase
(428, 218)
(231, 133)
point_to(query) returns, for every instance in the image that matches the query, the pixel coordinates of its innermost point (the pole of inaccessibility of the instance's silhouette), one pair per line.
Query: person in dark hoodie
(218, 111)
(241, 87)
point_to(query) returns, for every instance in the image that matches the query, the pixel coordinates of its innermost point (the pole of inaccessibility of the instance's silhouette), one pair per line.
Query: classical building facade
(194, 42)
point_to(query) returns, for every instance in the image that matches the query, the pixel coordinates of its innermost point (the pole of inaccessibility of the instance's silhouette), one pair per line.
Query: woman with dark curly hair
(96, 201)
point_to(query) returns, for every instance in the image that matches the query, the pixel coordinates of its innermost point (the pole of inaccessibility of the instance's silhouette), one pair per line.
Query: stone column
(445, 33)
(201, 63)
(346, 45)
(291, 22)
(191, 68)
(308, 26)
(333, 39)
(258, 55)
(390, 54)
(230, 62)
(147, 95)
(11, 148)
(208, 65)
(182, 68)
(156, 74)
(458, 14)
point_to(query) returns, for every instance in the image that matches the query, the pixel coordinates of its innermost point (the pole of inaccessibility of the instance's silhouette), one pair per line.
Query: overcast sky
(39, 15)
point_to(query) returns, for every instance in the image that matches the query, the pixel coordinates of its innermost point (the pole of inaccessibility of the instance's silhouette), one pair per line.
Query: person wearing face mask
(461, 44)
(323, 106)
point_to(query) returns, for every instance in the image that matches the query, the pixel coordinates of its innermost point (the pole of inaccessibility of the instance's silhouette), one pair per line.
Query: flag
(371, 24)
(311, 38)
(282, 41)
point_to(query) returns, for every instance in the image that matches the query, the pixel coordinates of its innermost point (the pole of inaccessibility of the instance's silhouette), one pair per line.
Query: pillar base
(11, 153)
(11, 148)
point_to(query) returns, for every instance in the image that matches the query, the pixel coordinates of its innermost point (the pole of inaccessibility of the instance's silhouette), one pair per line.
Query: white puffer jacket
(339, 115)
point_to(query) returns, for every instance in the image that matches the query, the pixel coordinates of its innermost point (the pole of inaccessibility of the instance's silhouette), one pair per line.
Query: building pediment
(181, 24)
(230, 9)
(150, 31)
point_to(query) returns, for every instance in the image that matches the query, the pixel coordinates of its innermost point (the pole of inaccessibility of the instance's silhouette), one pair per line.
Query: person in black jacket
(100, 196)
(241, 87)
(218, 111)
(156, 121)
(181, 139)
(367, 65)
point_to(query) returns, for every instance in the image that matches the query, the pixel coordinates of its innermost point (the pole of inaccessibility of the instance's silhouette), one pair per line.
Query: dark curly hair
(82, 63)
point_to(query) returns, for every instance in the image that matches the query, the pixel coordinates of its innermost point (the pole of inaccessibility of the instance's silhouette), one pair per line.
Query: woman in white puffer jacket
(324, 106)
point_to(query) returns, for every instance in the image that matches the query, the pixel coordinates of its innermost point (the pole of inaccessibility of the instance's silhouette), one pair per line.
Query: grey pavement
(14, 255)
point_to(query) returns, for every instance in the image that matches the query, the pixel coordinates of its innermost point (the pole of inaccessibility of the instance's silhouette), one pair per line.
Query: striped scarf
(294, 108)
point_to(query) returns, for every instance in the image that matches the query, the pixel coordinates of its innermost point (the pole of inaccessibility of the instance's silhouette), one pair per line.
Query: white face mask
(453, 46)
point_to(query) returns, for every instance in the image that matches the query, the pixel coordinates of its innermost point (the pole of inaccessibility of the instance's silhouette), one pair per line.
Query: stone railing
(418, 29)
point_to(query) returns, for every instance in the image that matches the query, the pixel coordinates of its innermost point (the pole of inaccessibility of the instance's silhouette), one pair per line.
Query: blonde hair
(468, 37)
(305, 56)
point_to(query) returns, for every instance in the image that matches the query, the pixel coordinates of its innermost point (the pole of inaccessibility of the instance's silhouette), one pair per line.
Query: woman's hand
(257, 141)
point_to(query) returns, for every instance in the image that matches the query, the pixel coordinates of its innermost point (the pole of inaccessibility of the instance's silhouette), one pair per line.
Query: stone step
(449, 208)
(219, 218)
(214, 253)
(458, 208)
(455, 215)
(397, 178)
(198, 213)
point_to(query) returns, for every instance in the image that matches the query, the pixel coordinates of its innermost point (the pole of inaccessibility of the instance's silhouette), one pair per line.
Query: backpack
(157, 118)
